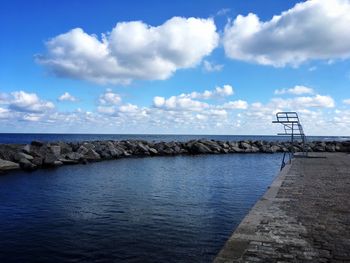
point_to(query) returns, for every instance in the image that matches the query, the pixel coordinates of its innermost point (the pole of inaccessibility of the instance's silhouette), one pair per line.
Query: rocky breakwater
(43, 155)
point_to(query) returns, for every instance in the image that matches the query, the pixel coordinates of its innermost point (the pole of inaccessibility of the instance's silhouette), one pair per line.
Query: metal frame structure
(294, 129)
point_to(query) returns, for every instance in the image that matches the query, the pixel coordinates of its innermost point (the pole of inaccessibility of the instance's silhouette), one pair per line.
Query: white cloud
(218, 112)
(159, 101)
(109, 98)
(132, 50)
(317, 29)
(67, 97)
(318, 101)
(211, 67)
(346, 101)
(224, 91)
(28, 102)
(4, 98)
(4, 113)
(189, 101)
(106, 109)
(31, 117)
(179, 103)
(201, 117)
(129, 108)
(238, 104)
(296, 90)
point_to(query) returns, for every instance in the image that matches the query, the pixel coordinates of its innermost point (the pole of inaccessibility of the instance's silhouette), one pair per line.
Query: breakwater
(40, 154)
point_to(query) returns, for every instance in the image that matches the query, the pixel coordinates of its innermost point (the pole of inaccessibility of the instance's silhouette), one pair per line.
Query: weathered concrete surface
(303, 217)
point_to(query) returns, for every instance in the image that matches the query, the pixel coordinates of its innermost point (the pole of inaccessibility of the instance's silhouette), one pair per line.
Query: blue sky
(194, 67)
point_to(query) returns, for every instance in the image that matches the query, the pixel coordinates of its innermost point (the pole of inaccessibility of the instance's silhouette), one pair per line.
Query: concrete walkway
(303, 217)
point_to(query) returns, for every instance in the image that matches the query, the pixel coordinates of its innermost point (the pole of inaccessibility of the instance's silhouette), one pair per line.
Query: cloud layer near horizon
(191, 112)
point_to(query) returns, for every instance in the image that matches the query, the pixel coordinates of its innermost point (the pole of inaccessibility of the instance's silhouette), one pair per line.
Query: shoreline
(38, 154)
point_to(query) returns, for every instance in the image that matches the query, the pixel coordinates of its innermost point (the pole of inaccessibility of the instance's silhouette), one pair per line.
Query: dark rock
(56, 150)
(199, 148)
(37, 143)
(82, 150)
(50, 159)
(38, 161)
(9, 151)
(330, 148)
(153, 151)
(236, 149)
(275, 148)
(8, 165)
(68, 161)
(245, 145)
(255, 149)
(212, 145)
(319, 148)
(58, 163)
(25, 164)
(74, 156)
(22, 155)
(141, 149)
(26, 149)
(65, 148)
(91, 155)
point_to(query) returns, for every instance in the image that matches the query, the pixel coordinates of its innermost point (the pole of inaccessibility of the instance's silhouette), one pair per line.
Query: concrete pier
(303, 217)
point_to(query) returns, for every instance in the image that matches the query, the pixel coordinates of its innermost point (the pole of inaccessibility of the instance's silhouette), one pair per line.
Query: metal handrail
(293, 128)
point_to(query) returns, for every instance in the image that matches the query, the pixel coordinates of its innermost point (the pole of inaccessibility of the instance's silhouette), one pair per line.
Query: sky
(174, 67)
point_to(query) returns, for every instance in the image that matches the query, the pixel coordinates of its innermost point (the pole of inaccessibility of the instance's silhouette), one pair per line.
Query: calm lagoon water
(161, 209)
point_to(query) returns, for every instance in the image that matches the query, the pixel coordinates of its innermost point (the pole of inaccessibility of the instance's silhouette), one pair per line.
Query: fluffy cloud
(224, 91)
(106, 109)
(317, 29)
(179, 103)
(318, 101)
(129, 108)
(238, 104)
(109, 98)
(28, 102)
(190, 101)
(296, 90)
(211, 67)
(132, 50)
(67, 97)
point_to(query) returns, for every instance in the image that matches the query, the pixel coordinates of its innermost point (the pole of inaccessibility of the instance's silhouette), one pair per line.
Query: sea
(52, 137)
(155, 209)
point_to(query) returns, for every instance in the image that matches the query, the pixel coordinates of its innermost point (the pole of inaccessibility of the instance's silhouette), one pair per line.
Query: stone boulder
(74, 156)
(8, 165)
(27, 165)
(50, 160)
(199, 148)
(22, 155)
(91, 155)
(56, 150)
(37, 143)
(153, 151)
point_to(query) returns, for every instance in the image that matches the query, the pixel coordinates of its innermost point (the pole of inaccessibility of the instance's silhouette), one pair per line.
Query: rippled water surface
(161, 209)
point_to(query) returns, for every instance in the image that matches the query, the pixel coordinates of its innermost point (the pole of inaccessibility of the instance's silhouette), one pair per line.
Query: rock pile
(38, 154)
